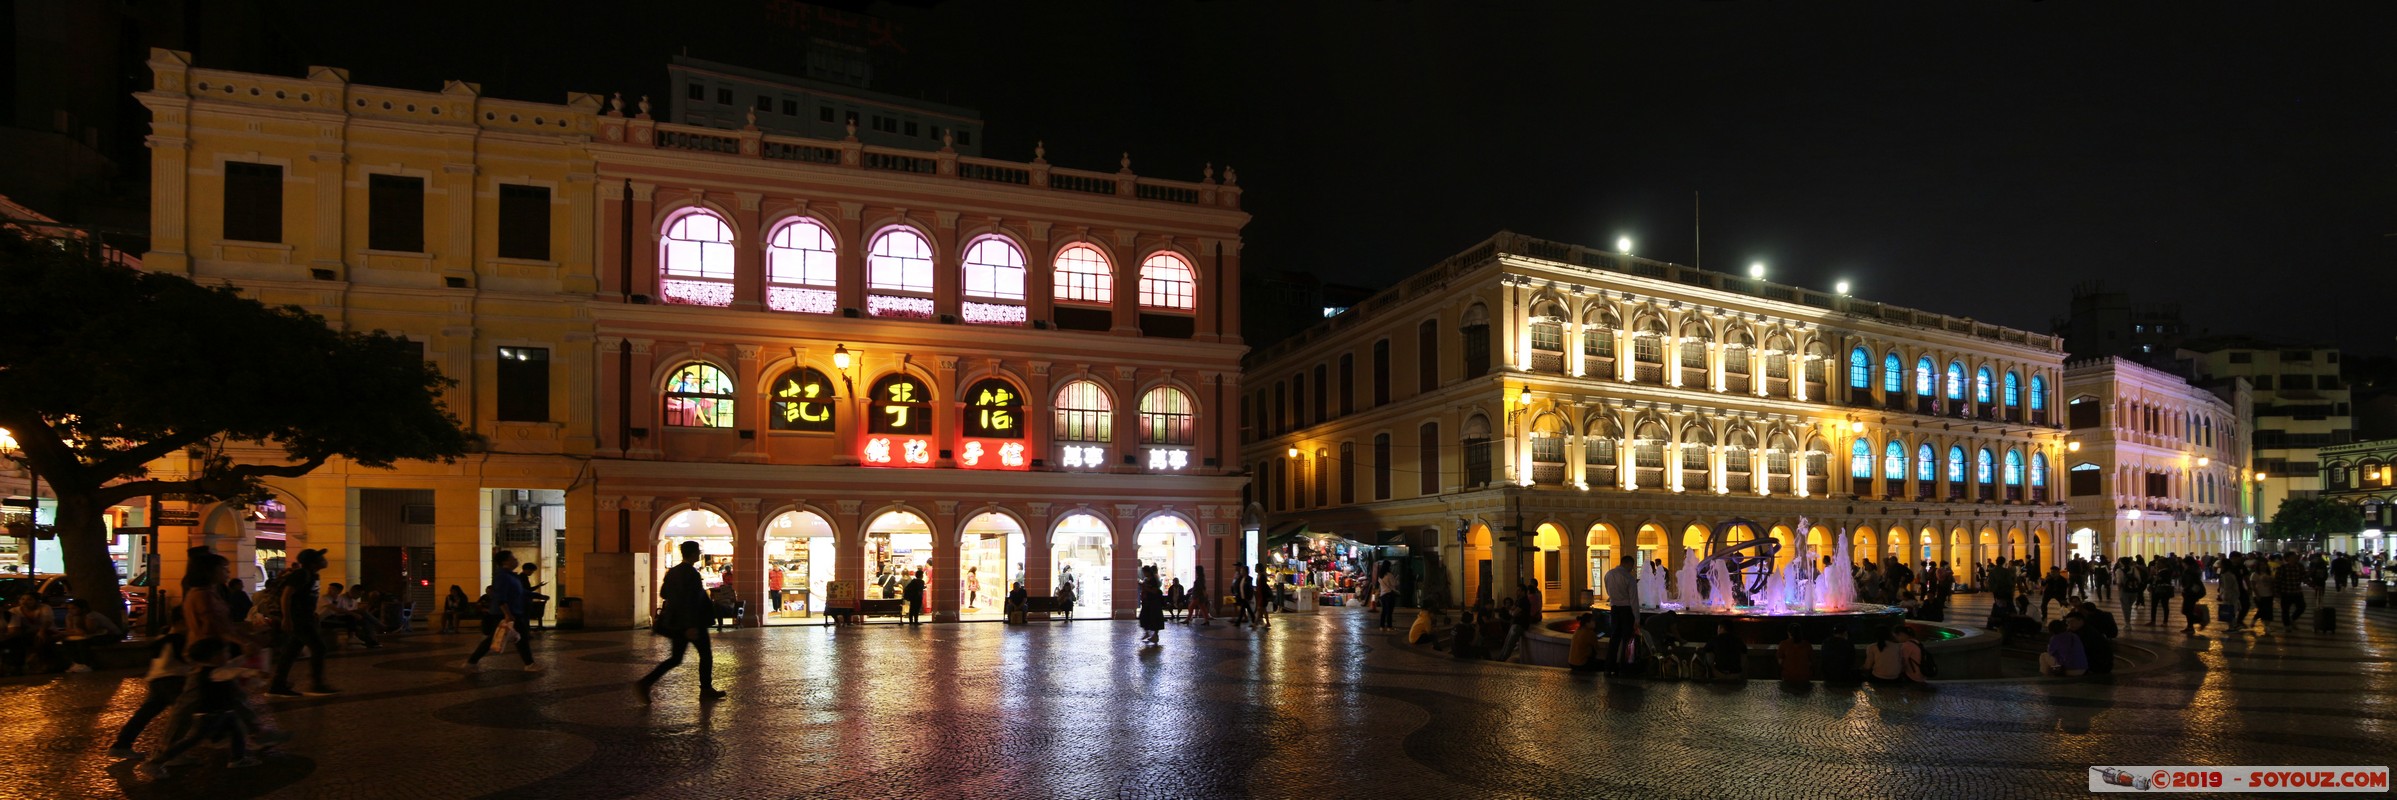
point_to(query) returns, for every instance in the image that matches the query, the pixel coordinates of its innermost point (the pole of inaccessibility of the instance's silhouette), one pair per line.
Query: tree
(2312, 518)
(104, 369)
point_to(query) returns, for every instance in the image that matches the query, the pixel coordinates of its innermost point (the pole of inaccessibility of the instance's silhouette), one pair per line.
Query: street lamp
(1623, 245)
(1756, 270)
(2072, 447)
(2204, 461)
(1840, 287)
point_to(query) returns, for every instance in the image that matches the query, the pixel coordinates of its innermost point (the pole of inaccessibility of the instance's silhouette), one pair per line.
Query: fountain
(1741, 586)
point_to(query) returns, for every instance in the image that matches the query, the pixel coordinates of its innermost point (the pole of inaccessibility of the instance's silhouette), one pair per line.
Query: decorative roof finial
(852, 126)
(1210, 172)
(751, 116)
(644, 106)
(616, 104)
(948, 140)
(1040, 151)
(1231, 177)
(1127, 162)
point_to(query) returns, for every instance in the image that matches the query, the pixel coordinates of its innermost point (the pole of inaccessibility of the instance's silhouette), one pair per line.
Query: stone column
(645, 243)
(748, 258)
(749, 560)
(942, 587)
(461, 547)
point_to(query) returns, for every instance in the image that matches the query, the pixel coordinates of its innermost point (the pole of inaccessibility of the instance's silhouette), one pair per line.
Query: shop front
(898, 546)
(1167, 543)
(799, 560)
(716, 545)
(991, 550)
(1082, 550)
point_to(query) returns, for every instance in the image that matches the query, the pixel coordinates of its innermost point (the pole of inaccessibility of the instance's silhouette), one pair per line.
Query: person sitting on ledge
(1797, 658)
(1582, 655)
(2064, 656)
(1729, 652)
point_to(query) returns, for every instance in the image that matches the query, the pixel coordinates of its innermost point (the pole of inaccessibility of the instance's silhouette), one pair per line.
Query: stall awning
(1286, 533)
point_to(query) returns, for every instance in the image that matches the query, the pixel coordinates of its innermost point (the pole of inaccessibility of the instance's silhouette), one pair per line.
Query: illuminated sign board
(898, 451)
(994, 410)
(994, 454)
(1168, 458)
(802, 402)
(1082, 456)
(899, 404)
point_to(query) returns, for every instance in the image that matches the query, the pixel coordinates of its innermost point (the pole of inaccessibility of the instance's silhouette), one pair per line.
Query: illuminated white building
(1610, 404)
(2155, 466)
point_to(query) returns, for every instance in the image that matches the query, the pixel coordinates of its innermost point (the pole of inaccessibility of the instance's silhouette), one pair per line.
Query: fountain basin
(1961, 651)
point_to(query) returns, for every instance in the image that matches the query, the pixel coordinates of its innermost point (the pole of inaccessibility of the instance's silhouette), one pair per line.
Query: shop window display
(1082, 550)
(799, 556)
(991, 553)
(897, 544)
(1167, 543)
(715, 539)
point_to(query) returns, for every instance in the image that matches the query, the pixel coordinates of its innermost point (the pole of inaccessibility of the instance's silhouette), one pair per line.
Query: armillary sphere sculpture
(1748, 562)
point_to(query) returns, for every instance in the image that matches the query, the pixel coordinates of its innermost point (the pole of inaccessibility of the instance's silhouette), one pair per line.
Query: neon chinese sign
(1162, 458)
(994, 410)
(900, 404)
(1082, 456)
(993, 454)
(802, 402)
(897, 451)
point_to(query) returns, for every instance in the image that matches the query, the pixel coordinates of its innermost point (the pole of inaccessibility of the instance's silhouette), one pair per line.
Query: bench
(865, 609)
(735, 611)
(1044, 604)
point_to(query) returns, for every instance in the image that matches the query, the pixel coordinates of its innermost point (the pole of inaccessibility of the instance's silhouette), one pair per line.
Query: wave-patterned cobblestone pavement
(1318, 707)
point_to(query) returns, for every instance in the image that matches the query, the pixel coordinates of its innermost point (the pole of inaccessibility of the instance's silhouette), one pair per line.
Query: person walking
(1263, 597)
(913, 593)
(2288, 580)
(2193, 595)
(302, 630)
(509, 600)
(1201, 603)
(1622, 585)
(2056, 588)
(2001, 584)
(1152, 605)
(1388, 597)
(685, 619)
(1240, 603)
(2159, 593)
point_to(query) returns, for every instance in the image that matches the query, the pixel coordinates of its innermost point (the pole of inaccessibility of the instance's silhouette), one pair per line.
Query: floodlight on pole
(1840, 287)
(1756, 270)
(1623, 245)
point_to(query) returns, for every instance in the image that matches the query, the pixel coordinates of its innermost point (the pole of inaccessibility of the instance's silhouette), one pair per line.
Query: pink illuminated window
(1083, 276)
(695, 259)
(1167, 282)
(1166, 418)
(994, 268)
(901, 261)
(801, 253)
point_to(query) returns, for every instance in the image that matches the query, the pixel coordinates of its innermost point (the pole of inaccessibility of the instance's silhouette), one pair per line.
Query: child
(219, 706)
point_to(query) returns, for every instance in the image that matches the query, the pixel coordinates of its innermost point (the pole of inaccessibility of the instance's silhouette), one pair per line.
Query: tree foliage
(2314, 518)
(104, 369)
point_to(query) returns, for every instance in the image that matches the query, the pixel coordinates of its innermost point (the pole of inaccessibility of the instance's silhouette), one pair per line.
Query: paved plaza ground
(1320, 706)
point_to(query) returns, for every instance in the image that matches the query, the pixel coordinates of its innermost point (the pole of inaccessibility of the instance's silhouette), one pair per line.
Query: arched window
(994, 409)
(900, 261)
(1166, 417)
(695, 259)
(2013, 468)
(1474, 326)
(1926, 463)
(1083, 276)
(994, 269)
(1427, 458)
(899, 404)
(2038, 393)
(1893, 375)
(1084, 414)
(1984, 467)
(1166, 281)
(1598, 453)
(1981, 386)
(1737, 469)
(1860, 458)
(802, 400)
(1893, 461)
(1696, 473)
(1926, 377)
(1955, 464)
(1598, 340)
(2038, 470)
(699, 396)
(2013, 391)
(1548, 332)
(1955, 380)
(1860, 372)
(801, 270)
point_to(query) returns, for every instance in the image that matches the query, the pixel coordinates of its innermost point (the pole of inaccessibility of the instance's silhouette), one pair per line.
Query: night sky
(1968, 158)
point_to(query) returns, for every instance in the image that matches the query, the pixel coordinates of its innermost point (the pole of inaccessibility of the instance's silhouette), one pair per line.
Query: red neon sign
(897, 451)
(994, 454)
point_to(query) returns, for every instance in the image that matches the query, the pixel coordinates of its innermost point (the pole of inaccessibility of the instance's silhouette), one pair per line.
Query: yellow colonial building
(1537, 409)
(833, 364)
